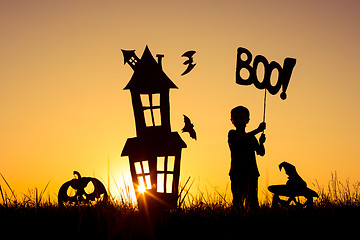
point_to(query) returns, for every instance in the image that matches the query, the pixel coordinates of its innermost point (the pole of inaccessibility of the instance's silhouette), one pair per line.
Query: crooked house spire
(155, 153)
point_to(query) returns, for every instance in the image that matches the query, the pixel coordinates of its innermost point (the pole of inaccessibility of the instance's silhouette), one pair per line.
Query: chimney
(160, 56)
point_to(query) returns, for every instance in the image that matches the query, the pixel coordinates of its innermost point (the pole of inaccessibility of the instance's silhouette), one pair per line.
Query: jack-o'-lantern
(82, 190)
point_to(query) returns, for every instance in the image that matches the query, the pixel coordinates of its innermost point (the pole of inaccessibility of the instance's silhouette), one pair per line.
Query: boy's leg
(252, 201)
(235, 193)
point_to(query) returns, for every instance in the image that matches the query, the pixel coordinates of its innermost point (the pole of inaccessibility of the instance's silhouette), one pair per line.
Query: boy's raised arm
(232, 134)
(262, 127)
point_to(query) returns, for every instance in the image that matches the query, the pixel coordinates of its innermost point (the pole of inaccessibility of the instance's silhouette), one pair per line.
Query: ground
(215, 222)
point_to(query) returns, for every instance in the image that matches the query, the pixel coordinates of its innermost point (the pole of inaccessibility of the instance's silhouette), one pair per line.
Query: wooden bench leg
(275, 201)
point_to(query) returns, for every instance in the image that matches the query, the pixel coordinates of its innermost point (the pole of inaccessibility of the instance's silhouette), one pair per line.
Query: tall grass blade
(187, 191)
(43, 191)
(12, 192)
(218, 192)
(182, 189)
(2, 196)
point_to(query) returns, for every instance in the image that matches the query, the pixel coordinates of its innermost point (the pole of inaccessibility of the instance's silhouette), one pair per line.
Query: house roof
(163, 144)
(148, 75)
(128, 54)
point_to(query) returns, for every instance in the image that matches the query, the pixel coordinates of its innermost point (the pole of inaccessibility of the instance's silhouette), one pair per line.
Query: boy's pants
(245, 192)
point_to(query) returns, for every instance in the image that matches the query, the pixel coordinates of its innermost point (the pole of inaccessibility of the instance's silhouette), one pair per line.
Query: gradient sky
(63, 107)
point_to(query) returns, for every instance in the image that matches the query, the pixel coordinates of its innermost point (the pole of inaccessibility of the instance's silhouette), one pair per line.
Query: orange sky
(63, 107)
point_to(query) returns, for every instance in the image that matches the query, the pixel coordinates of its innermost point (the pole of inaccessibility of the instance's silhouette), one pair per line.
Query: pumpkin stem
(77, 174)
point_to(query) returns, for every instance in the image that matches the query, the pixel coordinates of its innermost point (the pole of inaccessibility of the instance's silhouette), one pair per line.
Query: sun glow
(141, 188)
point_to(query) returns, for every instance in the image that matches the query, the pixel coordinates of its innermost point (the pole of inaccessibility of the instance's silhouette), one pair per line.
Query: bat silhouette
(189, 127)
(190, 61)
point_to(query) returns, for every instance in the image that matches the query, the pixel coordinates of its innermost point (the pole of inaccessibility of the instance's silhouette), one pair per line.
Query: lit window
(133, 61)
(165, 176)
(156, 99)
(145, 100)
(143, 172)
(146, 166)
(160, 182)
(171, 163)
(148, 118)
(157, 117)
(169, 183)
(148, 181)
(151, 107)
(160, 163)
(141, 183)
(138, 168)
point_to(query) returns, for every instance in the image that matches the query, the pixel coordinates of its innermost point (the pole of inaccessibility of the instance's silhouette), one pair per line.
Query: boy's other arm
(260, 150)
(231, 137)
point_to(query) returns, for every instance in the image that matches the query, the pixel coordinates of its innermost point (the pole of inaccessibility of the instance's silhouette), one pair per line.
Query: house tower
(155, 153)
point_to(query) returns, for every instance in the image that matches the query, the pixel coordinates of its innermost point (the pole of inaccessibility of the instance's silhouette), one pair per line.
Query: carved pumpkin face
(81, 190)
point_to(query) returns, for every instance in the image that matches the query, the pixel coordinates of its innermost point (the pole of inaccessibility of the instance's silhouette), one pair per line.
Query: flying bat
(190, 61)
(189, 127)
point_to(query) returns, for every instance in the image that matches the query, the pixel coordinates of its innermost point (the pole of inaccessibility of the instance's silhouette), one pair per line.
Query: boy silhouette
(244, 173)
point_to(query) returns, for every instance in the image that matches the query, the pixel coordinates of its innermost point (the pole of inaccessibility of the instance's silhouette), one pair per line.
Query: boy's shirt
(243, 160)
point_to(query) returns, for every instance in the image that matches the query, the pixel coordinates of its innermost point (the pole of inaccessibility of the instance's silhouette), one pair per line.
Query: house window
(143, 174)
(133, 61)
(165, 173)
(151, 109)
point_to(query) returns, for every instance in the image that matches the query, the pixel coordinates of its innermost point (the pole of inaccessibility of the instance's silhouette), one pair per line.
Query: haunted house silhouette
(155, 153)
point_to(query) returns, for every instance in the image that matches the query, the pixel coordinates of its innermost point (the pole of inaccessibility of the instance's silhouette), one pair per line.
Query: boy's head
(240, 116)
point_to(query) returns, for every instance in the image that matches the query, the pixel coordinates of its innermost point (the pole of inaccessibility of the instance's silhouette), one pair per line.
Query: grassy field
(205, 216)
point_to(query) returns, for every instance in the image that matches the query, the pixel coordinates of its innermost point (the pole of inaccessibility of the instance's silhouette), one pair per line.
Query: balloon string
(264, 107)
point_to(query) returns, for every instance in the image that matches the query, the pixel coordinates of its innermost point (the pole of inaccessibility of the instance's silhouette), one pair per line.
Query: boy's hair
(240, 109)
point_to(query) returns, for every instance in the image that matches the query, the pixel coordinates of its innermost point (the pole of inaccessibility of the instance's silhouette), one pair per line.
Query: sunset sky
(63, 107)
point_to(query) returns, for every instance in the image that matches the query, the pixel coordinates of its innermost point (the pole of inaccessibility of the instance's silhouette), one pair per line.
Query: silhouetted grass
(339, 194)
(206, 215)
